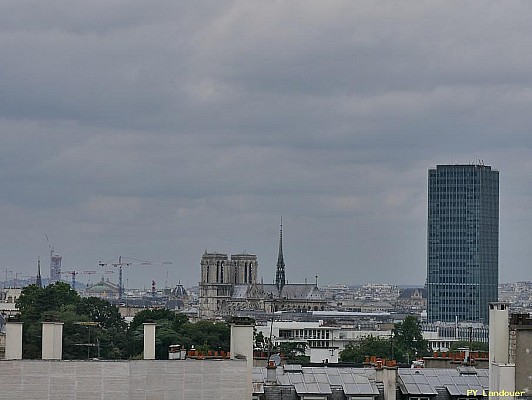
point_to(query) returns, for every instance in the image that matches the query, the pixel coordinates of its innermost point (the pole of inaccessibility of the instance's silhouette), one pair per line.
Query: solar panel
(324, 388)
(283, 380)
(321, 378)
(412, 388)
(300, 388)
(312, 387)
(334, 380)
(296, 378)
(347, 378)
(426, 388)
(350, 389)
(425, 381)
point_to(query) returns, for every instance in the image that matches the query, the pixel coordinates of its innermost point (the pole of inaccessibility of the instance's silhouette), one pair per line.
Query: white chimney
(501, 371)
(52, 340)
(499, 336)
(242, 344)
(242, 339)
(58, 341)
(13, 340)
(149, 340)
(389, 380)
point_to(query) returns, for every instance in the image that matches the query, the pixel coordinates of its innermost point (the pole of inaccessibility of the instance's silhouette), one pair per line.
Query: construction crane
(96, 272)
(74, 273)
(127, 262)
(50, 247)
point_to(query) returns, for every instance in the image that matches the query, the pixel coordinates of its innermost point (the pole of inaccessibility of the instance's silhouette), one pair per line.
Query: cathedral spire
(38, 280)
(280, 279)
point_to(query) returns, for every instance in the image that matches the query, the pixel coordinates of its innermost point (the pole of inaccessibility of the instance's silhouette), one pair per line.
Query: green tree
(34, 301)
(155, 315)
(110, 334)
(294, 351)
(408, 342)
(175, 328)
(357, 351)
(165, 336)
(91, 326)
(101, 311)
(39, 304)
(166, 321)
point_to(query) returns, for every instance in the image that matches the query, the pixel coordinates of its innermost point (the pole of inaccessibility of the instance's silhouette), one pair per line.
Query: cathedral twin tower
(221, 274)
(239, 269)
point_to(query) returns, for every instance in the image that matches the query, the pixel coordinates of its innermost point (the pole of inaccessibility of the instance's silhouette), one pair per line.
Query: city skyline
(156, 131)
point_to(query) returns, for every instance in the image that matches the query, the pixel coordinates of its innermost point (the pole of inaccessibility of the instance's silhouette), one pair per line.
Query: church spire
(38, 280)
(280, 279)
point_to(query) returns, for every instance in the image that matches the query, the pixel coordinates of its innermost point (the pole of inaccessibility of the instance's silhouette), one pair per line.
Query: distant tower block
(462, 242)
(55, 268)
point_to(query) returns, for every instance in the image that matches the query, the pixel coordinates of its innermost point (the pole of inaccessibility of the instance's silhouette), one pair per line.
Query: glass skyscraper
(462, 242)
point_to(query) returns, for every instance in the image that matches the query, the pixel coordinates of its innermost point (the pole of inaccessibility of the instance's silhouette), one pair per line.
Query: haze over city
(158, 130)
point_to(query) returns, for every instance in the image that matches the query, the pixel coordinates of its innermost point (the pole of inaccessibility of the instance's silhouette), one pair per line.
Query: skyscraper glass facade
(462, 242)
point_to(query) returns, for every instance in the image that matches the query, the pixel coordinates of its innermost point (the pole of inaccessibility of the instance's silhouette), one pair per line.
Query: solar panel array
(426, 381)
(361, 382)
(321, 380)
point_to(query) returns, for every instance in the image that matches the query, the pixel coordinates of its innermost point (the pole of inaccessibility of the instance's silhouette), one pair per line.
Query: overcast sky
(157, 130)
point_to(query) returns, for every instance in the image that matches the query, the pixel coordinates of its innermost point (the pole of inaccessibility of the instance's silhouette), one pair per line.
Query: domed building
(179, 292)
(104, 289)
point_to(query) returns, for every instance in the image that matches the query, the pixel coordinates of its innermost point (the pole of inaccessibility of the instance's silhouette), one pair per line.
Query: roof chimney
(242, 343)
(13, 340)
(149, 340)
(52, 340)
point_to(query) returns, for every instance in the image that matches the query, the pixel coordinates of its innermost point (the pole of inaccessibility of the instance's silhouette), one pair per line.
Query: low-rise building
(414, 299)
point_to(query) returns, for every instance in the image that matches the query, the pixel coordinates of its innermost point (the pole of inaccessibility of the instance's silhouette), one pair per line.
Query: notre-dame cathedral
(229, 285)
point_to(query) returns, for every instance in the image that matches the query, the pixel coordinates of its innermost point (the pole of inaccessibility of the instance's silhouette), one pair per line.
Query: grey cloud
(160, 129)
